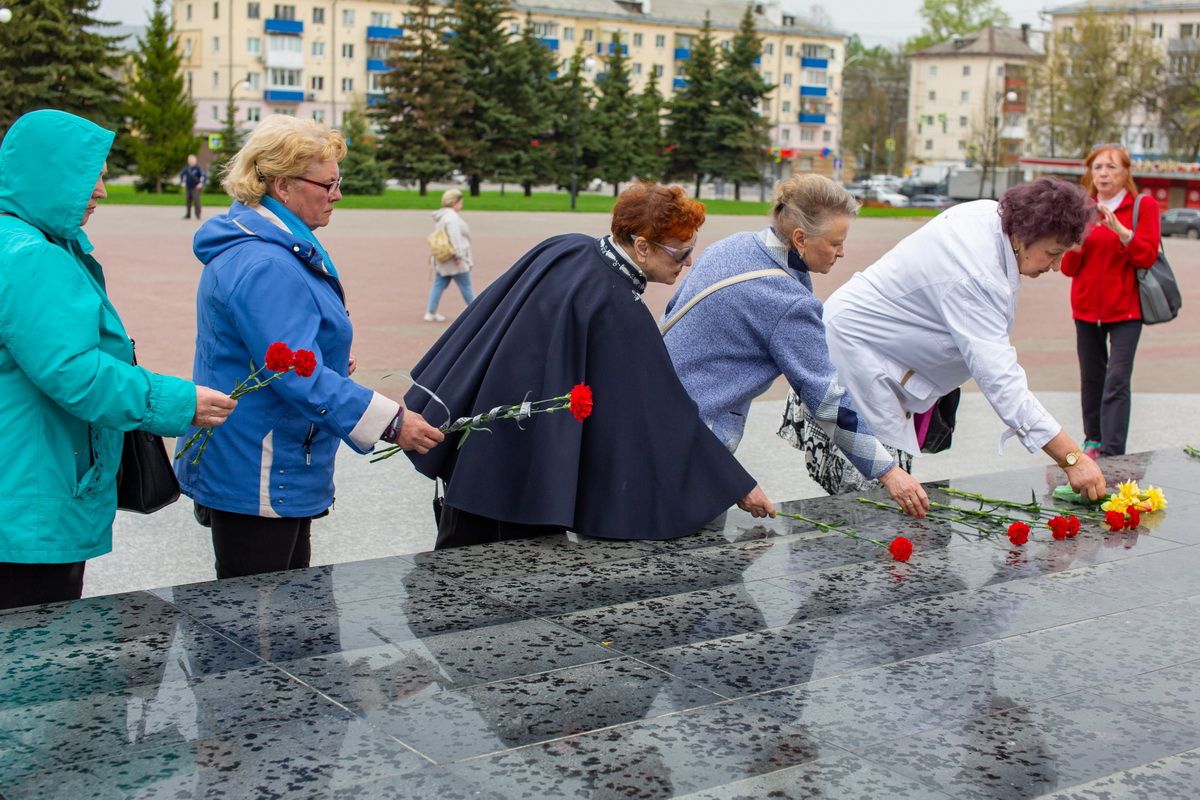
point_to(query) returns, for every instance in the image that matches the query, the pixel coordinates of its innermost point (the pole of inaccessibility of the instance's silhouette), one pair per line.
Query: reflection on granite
(752, 659)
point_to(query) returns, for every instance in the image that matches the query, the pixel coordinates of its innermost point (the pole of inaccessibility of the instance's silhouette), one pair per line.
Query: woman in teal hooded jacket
(67, 377)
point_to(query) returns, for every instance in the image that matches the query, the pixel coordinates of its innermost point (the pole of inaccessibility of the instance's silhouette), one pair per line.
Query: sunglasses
(680, 254)
(330, 187)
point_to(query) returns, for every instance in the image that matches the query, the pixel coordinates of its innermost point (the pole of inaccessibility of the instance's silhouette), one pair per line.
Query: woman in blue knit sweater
(746, 314)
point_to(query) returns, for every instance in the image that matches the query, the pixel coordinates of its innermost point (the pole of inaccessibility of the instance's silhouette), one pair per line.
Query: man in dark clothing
(193, 177)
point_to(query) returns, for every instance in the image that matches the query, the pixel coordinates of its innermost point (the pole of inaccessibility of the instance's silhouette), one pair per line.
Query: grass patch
(487, 201)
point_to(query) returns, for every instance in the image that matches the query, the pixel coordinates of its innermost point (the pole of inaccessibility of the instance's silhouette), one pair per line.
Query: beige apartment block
(968, 97)
(312, 58)
(1172, 24)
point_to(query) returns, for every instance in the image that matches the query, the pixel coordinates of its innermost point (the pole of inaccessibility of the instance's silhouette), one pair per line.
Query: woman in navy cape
(643, 465)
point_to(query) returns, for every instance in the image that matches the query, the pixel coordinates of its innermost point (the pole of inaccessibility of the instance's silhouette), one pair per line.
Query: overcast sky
(876, 21)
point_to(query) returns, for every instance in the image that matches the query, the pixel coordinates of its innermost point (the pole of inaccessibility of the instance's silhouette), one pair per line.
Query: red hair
(656, 213)
(1120, 156)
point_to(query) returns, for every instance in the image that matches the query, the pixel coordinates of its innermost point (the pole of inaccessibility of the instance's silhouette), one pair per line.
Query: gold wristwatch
(1071, 459)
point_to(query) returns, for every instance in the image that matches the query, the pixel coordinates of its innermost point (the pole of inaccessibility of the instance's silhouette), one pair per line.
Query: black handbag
(942, 418)
(146, 479)
(1157, 287)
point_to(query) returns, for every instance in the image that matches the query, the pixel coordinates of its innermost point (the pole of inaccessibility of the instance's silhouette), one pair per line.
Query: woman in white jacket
(938, 310)
(457, 268)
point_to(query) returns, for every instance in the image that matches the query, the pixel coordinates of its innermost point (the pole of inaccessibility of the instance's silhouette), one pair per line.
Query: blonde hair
(281, 146)
(810, 202)
(450, 197)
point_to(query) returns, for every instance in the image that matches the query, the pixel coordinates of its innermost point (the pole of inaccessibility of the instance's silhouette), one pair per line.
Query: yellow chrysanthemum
(1116, 502)
(1129, 490)
(1155, 497)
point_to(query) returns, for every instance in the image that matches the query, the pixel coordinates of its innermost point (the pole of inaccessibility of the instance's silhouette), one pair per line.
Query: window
(253, 45)
(637, 40)
(189, 12)
(253, 114)
(962, 122)
(216, 113)
(318, 49)
(514, 28)
(317, 83)
(284, 11)
(348, 50)
(1147, 141)
(787, 134)
(318, 16)
(1123, 36)
(284, 44)
(189, 84)
(348, 17)
(933, 97)
(787, 79)
(318, 115)
(216, 10)
(568, 34)
(347, 84)
(589, 35)
(1155, 30)
(375, 82)
(789, 51)
(769, 49)
(806, 134)
(962, 144)
(660, 41)
(966, 70)
(544, 29)
(965, 97)
(768, 76)
(1187, 30)
(377, 51)
(187, 49)
(725, 45)
(929, 144)
(283, 77)
(1068, 33)
(253, 11)
(216, 79)
(933, 70)
(827, 136)
(658, 70)
(253, 80)
(787, 106)
(381, 19)
(814, 77)
(814, 51)
(216, 44)
(636, 69)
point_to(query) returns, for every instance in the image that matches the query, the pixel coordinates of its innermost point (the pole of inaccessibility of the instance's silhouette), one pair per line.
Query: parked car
(931, 201)
(1181, 222)
(857, 190)
(886, 197)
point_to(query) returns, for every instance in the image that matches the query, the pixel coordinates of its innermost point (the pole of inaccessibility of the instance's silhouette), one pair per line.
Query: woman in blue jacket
(67, 377)
(267, 279)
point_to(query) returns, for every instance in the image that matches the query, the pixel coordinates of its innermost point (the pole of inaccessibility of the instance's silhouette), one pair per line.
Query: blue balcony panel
(758, 61)
(374, 99)
(679, 83)
(293, 27)
(554, 74)
(815, 63)
(612, 49)
(814, 91)
(551, 44)
(682, 54)
(812, 119)
(377, 65)
(283, 96)
(382, 33)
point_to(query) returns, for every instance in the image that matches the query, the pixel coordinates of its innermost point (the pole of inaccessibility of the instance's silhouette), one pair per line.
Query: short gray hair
(450, 197)
(810, 202)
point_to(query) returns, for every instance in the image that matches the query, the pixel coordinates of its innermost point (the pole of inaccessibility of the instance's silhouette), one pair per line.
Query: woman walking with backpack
(450, 253)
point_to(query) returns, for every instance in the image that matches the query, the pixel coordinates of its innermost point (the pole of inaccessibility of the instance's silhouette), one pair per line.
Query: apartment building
(968, 97)
(1174, 25)
(312, 58)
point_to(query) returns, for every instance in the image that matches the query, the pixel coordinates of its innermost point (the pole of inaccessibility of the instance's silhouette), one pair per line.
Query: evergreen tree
(576, 143)
(231, 141)
(739, 132)
(160, 113)
(616, 115)
(423, 97)
(527, 75)
(691, 109)
(54, 55)
(361, 171)
(483, 122)
(651, 139)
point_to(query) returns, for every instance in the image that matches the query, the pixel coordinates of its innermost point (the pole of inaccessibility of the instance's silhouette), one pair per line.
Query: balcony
(551, 44)
(811, 119)
(283, 59)
(610, 48)
(814, 91)
(291, 27)
(374, 99)
(815, 63)
(377, 65)
(679, 83)
(682, 54)
(283, 96)
(379, 33)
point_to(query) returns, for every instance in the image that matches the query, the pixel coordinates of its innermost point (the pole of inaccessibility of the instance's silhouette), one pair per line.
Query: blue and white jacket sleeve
(270, 302)
(798, 347)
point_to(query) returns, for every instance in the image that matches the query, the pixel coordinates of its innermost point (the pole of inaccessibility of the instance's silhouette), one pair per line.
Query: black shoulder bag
(1157, 288)
(146, 480)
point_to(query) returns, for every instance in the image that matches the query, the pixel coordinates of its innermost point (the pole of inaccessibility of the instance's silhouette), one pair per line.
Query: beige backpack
(439, 245)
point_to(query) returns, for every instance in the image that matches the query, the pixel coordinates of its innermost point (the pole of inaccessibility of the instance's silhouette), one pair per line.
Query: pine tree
(576, 145)
(527, 71)
(54, 55)
(422, 98)
(482, 124)
(361, 171)
(161, 115)
(691, 109)
(615, 114)
(650, 136)
(739, 132)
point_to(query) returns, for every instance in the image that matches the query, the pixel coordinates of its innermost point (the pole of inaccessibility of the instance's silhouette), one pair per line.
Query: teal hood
(49, 163)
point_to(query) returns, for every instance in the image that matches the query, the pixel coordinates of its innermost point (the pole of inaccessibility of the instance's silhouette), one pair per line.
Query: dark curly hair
(657, 213)
(1047, 207)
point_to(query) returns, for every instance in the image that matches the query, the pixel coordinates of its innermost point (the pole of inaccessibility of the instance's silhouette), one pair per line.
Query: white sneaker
(434, 317)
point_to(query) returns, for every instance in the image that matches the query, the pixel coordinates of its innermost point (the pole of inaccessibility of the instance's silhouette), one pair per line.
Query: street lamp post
(1011, 97)
(5, 15)
(577, 86)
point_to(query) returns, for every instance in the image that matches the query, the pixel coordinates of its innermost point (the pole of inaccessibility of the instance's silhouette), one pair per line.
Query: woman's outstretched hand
(906, 491)
(417, 434)
(212, 407)
(756, 503)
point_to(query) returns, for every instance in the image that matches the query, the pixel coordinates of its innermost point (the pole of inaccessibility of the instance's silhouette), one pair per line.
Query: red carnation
(901, 549)
(279, 357)
(1134, 518)
(1115, 520)
(304, 363)
(1059, 526)
(1018, 533)
(581, 401)
(1072, 526)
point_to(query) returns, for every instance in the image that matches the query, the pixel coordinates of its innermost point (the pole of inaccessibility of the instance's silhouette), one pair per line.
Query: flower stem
(828, 526)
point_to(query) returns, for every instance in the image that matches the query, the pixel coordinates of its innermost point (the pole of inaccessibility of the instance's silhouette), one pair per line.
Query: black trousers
(248, 545)
(193, 199)
(1106, 352)
(34, 584)
(458, 528)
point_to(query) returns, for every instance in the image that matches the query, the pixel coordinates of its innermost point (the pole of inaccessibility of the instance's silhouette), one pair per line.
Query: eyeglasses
(680, 254)
(331, 187)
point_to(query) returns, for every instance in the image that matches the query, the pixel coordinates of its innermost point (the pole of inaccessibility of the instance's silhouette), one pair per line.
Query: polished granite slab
(752, 659)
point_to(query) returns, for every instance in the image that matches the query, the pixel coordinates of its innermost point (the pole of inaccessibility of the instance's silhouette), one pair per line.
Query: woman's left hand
(1109, 220)
(907, 491)
(757, 504)
(353, 365)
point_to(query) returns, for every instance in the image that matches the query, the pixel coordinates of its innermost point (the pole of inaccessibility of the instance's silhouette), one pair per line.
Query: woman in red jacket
(1104, 296)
